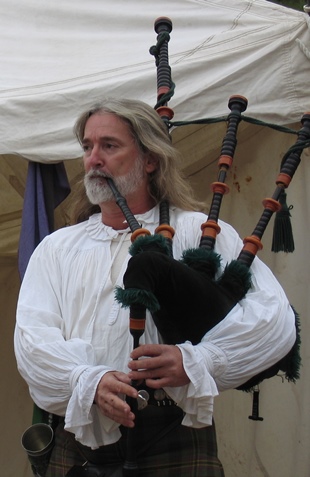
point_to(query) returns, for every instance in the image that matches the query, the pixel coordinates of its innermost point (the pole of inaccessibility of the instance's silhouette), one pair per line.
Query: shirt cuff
(197, 398)
(83, 418)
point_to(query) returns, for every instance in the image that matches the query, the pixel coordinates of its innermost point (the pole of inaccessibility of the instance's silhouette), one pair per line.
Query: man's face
(110, 151)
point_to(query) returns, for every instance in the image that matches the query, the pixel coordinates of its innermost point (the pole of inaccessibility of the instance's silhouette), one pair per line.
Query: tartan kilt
(165, 448)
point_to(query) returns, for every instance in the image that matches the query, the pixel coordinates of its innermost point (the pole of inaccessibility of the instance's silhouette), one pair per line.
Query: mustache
(95, 173)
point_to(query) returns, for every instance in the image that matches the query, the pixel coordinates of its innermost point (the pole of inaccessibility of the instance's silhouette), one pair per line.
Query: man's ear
(151, 163)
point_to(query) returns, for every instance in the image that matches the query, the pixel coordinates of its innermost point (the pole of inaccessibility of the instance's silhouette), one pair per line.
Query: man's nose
(95, 158)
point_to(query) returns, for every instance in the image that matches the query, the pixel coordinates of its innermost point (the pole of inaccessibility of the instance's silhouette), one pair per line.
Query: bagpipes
(187, 316)
(184, 296)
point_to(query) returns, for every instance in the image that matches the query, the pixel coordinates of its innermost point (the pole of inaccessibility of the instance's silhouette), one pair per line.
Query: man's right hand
(110, 393)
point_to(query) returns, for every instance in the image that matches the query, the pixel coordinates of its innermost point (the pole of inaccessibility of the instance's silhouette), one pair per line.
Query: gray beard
(98, 190)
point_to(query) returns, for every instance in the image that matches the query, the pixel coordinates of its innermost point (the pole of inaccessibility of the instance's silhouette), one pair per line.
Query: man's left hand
(159, 365)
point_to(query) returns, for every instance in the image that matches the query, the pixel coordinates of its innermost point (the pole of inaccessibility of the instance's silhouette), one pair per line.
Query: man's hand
(112, 386)
(159, 365)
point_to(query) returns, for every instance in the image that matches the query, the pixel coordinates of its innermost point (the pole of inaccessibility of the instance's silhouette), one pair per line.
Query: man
(72, 340)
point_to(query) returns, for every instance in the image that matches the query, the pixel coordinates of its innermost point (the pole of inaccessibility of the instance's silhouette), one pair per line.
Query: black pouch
(94, 470)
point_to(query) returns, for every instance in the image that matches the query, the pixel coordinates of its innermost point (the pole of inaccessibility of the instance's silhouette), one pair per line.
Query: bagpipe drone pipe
(184, 296)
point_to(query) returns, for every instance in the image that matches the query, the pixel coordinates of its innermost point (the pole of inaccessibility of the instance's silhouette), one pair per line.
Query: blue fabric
(46, 187)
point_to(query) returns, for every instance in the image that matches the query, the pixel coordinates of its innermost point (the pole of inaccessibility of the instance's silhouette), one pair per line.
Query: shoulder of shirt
(179, 215)
(67, 230)
(68, 236)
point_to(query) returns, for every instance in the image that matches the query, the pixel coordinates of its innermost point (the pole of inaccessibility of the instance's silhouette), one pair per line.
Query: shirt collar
(99, 231)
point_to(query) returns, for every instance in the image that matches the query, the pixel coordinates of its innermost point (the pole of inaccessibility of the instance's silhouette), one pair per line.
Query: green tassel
(283, 240)
(292, 362)
(236, 279)
(131, 296)
(155, 243)
(202, 260)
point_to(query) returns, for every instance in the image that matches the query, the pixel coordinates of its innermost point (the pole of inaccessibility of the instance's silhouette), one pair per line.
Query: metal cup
(38, 442)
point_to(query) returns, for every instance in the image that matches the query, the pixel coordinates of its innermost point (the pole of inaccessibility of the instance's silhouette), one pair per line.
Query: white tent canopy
(58, 58)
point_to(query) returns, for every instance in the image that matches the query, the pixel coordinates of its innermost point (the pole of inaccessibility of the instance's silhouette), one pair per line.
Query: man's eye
(86, 147)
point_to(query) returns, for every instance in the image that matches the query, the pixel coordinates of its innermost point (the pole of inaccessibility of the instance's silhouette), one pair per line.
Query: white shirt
(70, 330)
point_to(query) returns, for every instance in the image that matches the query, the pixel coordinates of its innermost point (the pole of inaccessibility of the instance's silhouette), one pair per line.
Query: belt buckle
(142, 399)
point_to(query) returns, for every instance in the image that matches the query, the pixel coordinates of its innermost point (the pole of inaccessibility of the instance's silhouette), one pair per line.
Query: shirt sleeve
(257, 333)
(61, 373)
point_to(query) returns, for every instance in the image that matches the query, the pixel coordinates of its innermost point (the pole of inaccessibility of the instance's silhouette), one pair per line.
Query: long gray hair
(152, 137)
